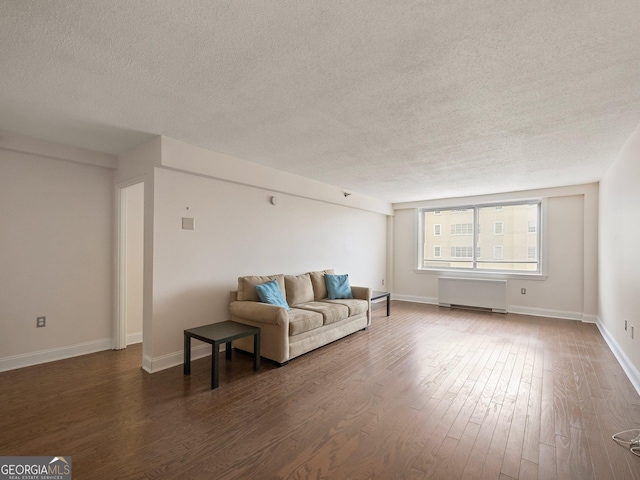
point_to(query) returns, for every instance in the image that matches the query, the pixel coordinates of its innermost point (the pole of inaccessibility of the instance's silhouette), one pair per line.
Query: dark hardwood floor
(425, 393)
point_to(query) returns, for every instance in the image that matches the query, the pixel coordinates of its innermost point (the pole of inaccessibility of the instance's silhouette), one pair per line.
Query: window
(462, 229)
(512, 242)
(461, 252)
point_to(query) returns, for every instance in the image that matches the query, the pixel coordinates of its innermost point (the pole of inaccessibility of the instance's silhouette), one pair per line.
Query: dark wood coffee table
(375, 295)
(216, 334)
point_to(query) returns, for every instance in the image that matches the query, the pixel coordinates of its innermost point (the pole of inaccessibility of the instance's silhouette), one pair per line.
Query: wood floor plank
(564, 460)
(496, 453)
(426, 393)
(580, 455)
(528, 470)
(479, 452)
(598, 451)
(531, 442)
(547, 463)
(547, 412)
(513, 451)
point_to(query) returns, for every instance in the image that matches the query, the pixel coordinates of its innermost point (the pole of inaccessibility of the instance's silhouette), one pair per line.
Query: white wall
(239, 232)
(619, 281)
(55, 251)
(188, 274)
(570, 243)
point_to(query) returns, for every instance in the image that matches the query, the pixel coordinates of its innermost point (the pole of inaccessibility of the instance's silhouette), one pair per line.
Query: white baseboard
(545, 312)
(537, 312)
(53, 354)
(415, 299)
(627, 365)
(156, 364)
(134, 338)
(147, 363)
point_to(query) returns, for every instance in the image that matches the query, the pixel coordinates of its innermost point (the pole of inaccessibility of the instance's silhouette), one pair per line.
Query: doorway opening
(130, 278)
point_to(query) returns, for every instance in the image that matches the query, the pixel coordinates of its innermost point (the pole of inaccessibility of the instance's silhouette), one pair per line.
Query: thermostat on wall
(187, 223)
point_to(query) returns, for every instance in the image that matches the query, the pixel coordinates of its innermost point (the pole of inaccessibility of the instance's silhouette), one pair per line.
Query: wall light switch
(188, 223)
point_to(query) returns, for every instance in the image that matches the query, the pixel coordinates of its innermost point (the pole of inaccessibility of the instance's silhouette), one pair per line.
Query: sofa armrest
(259, 312)
(361, 293)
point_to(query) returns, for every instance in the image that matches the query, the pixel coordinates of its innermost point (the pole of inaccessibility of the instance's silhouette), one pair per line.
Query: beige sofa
(311, 322)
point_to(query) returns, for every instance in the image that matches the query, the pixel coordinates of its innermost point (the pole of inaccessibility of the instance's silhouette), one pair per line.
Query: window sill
(481, 274)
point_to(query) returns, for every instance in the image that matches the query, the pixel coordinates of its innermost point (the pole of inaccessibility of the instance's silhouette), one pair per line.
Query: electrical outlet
(625, 325)
(41, 322)
(383, 281)
(523, 291)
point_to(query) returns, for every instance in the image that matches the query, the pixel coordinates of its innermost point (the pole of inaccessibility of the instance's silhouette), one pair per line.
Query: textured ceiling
(396, 100)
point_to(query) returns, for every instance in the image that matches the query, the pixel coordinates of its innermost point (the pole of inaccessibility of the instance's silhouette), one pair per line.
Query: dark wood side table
(375, 295)
(216, 334)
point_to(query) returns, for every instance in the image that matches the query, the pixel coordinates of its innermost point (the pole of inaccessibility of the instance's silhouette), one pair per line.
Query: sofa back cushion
(319, 285)
(247, 286)
(299, 288)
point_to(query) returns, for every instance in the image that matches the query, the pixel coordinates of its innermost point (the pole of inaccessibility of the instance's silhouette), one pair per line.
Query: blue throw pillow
(338, 286)
(271, 293)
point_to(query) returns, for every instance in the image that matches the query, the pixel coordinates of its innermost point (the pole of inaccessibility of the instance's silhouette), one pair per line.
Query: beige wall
(55, 253)
(239, 232)
(58, 244)
(569, 247)
(619, 282)
(188, 274)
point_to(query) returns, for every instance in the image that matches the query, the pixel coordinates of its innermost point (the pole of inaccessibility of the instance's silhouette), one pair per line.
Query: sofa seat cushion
(331, 313)
(354, 305)
(301, 321)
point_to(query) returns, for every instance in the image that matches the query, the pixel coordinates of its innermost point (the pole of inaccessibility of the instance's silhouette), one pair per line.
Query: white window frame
(539, 274)
(437, 231)
(437, 251)
(496, 230)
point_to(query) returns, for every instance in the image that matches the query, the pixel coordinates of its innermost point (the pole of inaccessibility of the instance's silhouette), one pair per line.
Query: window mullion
(475, 237)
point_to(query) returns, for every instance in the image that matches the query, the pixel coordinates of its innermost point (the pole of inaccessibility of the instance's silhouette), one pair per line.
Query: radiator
(470, 292)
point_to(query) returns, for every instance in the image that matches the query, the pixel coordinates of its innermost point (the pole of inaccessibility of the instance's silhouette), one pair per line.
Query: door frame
(120, 323)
